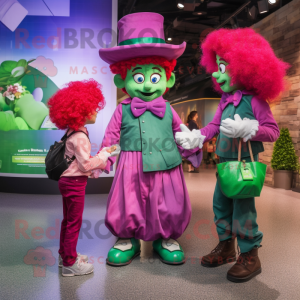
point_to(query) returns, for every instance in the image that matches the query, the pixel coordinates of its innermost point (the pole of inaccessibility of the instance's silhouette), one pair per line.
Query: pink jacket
(79, 145)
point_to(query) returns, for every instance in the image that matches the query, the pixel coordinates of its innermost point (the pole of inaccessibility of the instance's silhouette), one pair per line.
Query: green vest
(152, 136)
(228, 147)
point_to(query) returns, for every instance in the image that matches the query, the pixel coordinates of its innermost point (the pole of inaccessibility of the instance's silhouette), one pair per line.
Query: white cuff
(253, 131)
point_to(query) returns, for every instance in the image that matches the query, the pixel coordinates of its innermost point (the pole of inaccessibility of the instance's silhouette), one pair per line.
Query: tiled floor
(146, 278)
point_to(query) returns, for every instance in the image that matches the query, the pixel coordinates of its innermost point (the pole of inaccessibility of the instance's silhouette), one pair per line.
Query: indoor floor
(31, 221)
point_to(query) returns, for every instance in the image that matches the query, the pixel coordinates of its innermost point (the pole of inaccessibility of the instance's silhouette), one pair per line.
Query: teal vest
(228, 147)
(152, 136)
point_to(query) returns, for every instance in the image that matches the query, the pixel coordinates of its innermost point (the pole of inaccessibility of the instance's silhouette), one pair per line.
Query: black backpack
(56, 162)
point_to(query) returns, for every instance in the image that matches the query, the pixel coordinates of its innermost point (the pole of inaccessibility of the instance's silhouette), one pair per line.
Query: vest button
(150, 152)
(143, 122)
(143, 131)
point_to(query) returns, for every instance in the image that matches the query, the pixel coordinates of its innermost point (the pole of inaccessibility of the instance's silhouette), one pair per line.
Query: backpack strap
(66, 136)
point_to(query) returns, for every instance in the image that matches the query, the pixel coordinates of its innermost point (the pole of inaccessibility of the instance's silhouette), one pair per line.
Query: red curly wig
(122, 66)
(252, 62)
(71, 106)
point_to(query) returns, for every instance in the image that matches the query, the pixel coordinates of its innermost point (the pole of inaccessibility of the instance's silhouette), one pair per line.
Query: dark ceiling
(193, 22)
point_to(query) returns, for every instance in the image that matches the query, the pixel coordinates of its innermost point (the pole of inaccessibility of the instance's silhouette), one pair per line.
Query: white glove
(117, 151)
(103, 152)
(239, 128)
(107, 154)
(189, 139)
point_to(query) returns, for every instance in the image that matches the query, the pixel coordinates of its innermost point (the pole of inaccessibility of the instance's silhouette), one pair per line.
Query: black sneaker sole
(245, 279)
(215, 265)
(123, 264)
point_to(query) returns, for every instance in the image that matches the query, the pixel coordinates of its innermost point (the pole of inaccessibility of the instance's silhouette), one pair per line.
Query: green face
(146, 82)
(223, 78)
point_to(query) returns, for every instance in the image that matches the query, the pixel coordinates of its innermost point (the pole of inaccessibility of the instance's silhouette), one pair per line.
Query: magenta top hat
(141, 35)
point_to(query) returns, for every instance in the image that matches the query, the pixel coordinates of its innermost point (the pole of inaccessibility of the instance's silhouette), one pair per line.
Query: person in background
(211, 149)
(192, 124)
(71, 108)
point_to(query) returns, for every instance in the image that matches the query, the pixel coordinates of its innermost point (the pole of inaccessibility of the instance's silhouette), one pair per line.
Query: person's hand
(114, 150)
(111, 151)
(96, 173)
(104, 151)
(189, 139)
(239, 128)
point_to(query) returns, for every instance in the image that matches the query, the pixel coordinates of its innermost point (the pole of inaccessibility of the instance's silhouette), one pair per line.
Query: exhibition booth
(149, 150)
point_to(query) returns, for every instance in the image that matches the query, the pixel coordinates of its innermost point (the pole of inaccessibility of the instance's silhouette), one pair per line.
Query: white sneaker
(85, 258)
(79, 268)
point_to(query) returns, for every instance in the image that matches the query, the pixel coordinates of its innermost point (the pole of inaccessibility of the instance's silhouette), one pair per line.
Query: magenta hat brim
(120, 53)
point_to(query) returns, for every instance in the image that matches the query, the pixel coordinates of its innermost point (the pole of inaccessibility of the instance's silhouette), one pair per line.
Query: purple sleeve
(195, 155)
(112, 135)
(212, 128)
(268, 130)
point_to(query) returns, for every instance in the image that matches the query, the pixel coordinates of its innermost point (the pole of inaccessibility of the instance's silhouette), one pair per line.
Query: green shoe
(123, 252)
(169, 251)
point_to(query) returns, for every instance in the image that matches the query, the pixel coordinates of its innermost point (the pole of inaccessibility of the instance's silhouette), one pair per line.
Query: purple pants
(73, 192)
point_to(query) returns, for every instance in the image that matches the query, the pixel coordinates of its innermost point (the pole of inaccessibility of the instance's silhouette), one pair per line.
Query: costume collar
(235, 98)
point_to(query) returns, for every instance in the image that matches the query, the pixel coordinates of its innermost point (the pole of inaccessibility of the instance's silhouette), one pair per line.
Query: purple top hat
(141, 35)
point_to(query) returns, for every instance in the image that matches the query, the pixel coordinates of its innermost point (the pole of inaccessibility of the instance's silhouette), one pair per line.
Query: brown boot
(224, 253)
(247, 266)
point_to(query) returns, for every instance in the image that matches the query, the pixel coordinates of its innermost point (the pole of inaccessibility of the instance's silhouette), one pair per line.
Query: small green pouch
(240, 180)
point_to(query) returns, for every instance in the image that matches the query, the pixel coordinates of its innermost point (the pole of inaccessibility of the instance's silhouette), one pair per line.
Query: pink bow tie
(228, 98)
(156, 106)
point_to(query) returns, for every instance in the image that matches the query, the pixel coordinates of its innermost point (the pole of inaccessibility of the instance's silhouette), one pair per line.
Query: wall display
(42, 48)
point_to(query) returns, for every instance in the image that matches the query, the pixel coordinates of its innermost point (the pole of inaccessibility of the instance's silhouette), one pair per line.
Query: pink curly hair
(252, 62)
(72, 105)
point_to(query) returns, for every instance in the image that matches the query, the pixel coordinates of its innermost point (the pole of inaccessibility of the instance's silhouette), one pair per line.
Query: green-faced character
(223, 77)
(146, 82)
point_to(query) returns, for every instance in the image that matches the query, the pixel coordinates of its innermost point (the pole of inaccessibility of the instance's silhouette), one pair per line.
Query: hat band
(142, 40)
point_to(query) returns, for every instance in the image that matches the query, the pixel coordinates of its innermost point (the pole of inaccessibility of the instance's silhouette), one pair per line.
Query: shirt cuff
(102, 157)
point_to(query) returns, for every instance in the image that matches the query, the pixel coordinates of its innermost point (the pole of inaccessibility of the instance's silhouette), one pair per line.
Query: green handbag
(239, 179)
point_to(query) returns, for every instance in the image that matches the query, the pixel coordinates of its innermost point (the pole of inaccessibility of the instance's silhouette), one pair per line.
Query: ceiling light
(169, 39)
(253, 12)
(180, 5)
(200, 10)
(263, 6)
(272, 1)
(199, 13)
